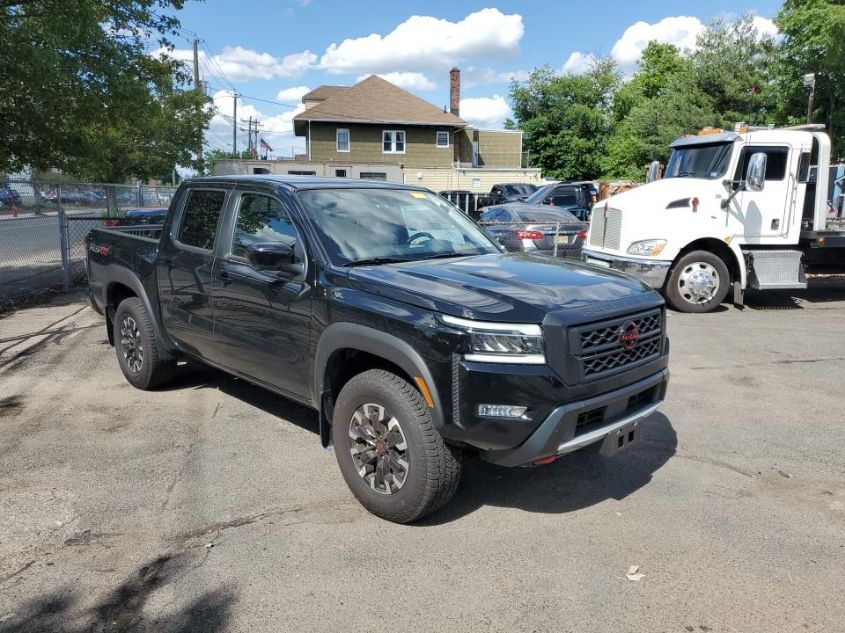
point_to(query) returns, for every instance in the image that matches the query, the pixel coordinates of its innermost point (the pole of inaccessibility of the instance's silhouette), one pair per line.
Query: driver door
(261, 317)
(763, 215)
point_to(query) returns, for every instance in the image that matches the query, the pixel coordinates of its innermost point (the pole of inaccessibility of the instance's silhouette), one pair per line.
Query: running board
(776, 270)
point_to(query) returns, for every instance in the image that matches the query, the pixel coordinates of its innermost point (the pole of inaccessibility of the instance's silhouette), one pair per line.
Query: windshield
(519, 190)
(537, 196)
(362, 225)
(699, 161)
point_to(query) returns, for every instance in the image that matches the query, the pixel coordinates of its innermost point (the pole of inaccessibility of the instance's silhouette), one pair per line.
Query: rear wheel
(137, 350)
(391, 456)
(698, 282)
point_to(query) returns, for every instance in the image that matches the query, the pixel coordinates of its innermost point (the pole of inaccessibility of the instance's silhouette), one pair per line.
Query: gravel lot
(211, 506)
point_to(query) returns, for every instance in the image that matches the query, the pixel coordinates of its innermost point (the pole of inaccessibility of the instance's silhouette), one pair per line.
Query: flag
(266, 146)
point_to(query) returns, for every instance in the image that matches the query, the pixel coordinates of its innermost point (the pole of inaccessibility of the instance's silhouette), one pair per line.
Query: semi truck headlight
(502, 342)
(647, 248)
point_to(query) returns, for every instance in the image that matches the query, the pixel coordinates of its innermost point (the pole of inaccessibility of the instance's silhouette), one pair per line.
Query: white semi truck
(754, 208)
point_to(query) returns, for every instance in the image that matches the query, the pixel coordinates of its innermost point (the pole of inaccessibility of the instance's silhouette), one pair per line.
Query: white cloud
(409, 81)
(765, 27)
(578, 63)
(292, 95)
(681, 31)
(485, 112)
(276, 129)
(236, 63)
(426, 42)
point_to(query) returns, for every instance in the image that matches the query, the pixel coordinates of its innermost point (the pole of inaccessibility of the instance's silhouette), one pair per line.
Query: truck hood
(513, 287)
(654, 196)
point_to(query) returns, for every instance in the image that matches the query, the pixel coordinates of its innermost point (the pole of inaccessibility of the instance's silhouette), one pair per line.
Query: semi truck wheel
(137, 352)
(698, 282)
(391, 456)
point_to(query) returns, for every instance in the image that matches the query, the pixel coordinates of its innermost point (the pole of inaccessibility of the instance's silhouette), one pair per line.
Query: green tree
(565, 119)
(732, 63)
(660, 103)
(813, 42)
(81, 93)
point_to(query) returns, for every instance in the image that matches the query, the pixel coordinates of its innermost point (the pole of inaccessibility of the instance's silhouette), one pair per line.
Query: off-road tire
(154, 371)
(674, 290)
(434, 468)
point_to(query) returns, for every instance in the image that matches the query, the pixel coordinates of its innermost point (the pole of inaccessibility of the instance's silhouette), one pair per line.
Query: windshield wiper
(445, 255)
(377, 260)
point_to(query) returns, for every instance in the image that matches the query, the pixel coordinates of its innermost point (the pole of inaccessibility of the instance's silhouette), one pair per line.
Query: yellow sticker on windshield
(418, 194)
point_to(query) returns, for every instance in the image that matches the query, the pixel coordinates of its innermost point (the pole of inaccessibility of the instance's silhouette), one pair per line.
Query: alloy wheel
(698, 282)
(379, 449)
(131, 344)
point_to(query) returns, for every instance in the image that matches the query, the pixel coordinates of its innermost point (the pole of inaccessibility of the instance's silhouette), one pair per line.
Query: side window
(776, 161)
(199, 219)
(261, 219)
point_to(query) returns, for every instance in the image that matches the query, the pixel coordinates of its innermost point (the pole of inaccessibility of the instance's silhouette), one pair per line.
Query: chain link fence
(43, 226)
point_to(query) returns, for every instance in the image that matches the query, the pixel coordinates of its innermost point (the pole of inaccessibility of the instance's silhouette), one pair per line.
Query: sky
(273, 51)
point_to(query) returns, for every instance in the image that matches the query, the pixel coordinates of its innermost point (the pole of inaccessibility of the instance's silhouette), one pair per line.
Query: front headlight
(502, 342)
(647, 248)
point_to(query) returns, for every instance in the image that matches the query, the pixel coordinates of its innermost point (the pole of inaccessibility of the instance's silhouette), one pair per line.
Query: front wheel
(391, 456)
(698, 282)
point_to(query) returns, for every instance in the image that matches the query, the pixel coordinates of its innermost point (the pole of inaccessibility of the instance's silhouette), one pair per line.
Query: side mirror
(756, 178)
(275, 256)
(653, 171)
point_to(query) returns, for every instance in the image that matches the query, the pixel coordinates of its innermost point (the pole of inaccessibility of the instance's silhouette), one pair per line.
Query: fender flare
(366, 339)
(117, 275)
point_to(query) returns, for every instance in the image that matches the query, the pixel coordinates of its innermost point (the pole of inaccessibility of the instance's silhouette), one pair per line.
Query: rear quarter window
(199, 218)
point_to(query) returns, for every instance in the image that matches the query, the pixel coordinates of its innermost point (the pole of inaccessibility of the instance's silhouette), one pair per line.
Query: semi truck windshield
(699, 161)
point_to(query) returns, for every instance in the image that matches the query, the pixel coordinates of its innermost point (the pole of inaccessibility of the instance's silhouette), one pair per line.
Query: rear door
(184, 269)
(261, 317)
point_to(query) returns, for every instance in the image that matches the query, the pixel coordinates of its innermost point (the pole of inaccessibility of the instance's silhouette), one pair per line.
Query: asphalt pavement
(210, 505)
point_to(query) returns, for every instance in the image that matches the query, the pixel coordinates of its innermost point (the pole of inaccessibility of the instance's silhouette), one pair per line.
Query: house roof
(322, 93)
(374, 100)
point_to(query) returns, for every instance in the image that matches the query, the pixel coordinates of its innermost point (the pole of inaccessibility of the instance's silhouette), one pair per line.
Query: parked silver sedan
(534, 228)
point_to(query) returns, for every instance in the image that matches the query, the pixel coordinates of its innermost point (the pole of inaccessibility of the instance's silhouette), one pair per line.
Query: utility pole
(235, 124)
(197, 85)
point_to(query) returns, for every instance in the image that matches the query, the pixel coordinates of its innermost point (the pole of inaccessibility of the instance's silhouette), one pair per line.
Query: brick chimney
(455, 92)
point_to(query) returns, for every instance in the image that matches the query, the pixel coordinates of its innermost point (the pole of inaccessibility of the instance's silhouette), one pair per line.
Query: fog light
(500, 411)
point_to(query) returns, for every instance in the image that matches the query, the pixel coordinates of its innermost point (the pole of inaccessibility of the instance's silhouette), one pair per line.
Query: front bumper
(579, 424)
(652, 273)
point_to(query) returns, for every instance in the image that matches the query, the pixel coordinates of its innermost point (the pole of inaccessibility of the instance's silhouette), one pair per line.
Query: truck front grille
(601, 350)
(606, 228)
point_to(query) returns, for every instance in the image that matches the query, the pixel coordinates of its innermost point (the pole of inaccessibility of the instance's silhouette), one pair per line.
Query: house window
(342, 140)
(393, 141)
(374, 175)
(340, 173)
(443, 139)
(295, 172)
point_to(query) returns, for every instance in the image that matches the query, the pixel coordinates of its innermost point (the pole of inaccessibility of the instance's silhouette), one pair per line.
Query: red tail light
(110, 222)
(522, 234)
(582, 235)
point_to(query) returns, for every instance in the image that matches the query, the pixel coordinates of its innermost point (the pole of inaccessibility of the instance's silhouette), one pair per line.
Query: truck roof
(297, 183)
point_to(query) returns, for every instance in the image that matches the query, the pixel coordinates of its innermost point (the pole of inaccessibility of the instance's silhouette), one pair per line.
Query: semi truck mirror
(756, 178)
(653, 171)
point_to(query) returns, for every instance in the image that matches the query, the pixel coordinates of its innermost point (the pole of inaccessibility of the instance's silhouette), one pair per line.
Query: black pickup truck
(412, 333)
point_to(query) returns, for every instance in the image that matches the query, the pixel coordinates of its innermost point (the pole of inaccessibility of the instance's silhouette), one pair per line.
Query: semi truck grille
(605, 347)
(606, 228)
